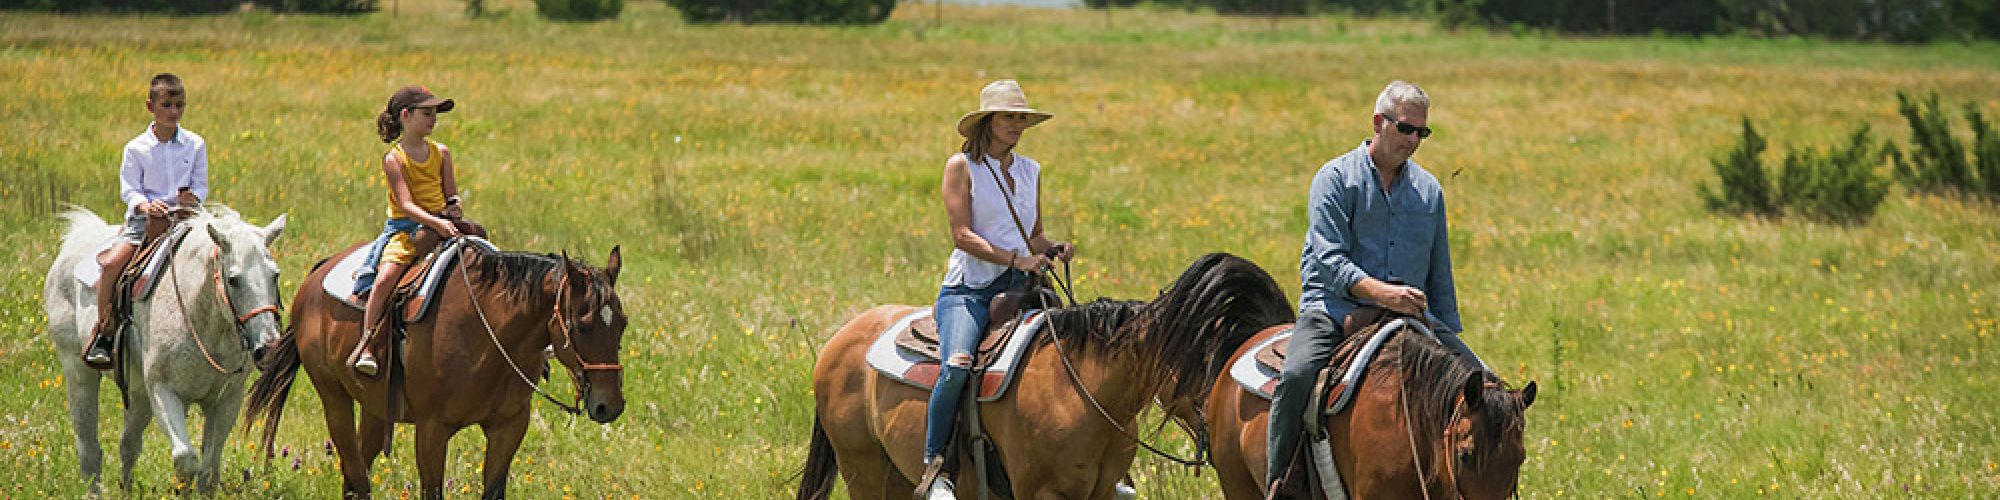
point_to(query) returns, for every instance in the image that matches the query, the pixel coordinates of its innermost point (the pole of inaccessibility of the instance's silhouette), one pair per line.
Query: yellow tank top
(426, 180)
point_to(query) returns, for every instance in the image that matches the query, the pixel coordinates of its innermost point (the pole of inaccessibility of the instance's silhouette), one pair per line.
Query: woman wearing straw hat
(991, 195)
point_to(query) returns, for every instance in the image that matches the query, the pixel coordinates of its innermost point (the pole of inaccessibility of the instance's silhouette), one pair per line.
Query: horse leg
(217, 419)
(132, 440)
(82, 383)
(503, 438)
(433, 440)
(172, 414)
(339, 414)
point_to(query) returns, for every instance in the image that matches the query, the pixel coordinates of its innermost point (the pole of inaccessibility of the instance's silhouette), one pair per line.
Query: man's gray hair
(1398, 93)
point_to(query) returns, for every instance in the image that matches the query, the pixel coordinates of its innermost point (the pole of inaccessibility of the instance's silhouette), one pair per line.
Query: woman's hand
(1029, 263)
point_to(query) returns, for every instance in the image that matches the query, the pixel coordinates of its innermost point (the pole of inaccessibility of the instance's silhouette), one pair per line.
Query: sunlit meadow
(768, 182)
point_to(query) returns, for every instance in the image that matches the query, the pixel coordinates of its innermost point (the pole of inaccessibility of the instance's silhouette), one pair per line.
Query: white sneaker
(941, 489)
(366, 364)
(1124, 491)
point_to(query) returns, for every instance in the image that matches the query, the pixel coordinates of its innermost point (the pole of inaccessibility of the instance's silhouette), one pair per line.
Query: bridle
(1450, 431)
(563, 328)
(242, 318)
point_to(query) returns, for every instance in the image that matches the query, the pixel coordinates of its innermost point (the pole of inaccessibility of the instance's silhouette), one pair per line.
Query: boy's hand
(187, 199)
(452, 212)
(154, 208)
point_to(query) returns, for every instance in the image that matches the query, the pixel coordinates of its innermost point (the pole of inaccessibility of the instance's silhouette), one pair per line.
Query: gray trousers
(1314, 338)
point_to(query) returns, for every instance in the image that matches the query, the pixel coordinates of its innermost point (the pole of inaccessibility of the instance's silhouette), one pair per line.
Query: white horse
(190, 343)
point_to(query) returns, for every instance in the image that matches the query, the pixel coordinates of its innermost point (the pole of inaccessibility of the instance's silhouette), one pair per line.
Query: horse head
(1482, 447)
(587, 329)
(247, 276)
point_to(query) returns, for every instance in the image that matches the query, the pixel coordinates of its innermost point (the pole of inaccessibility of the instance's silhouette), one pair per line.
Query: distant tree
(579, 10)
(785, 11)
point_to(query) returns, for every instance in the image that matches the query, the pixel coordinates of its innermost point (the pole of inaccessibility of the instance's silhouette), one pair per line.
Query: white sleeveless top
(990, 219)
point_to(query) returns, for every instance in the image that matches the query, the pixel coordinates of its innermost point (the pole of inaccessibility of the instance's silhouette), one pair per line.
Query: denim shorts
(134, 231)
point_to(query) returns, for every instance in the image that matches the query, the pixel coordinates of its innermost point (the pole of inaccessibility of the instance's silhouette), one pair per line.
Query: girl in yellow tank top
(423, 194)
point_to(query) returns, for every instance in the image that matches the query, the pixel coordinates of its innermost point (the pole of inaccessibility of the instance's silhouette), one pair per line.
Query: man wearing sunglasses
(1375, 236)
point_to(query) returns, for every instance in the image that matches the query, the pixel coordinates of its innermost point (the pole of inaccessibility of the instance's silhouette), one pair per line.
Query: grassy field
(768, 182)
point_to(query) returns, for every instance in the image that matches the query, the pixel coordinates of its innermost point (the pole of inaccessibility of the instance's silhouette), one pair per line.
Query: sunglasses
(1406, 129)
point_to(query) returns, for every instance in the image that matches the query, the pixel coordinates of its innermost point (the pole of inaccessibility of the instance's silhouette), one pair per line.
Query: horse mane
(1441, 373)
(1199, 321)
(1102, 324)
(520, 274)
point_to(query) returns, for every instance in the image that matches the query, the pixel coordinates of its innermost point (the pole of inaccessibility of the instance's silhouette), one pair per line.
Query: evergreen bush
(1744, 186)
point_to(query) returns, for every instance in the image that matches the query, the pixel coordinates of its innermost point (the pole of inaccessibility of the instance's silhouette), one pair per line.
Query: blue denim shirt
(1356, 230)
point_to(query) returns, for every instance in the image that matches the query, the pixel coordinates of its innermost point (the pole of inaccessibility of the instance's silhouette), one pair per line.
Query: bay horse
(471, 361)
(192, 342)
(1052, 441)
(1424, 423)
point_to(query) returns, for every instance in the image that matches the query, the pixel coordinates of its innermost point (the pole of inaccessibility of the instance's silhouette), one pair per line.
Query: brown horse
(1429, 424)
(1052, 441)
(469, 362)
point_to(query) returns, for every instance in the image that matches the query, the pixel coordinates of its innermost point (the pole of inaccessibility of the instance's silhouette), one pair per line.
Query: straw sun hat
(1001, 96)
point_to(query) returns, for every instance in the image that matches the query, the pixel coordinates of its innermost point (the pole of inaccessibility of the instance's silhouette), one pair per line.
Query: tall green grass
(768, 182)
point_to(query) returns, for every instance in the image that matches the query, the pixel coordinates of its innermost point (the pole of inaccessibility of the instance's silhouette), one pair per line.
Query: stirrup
(365, 365)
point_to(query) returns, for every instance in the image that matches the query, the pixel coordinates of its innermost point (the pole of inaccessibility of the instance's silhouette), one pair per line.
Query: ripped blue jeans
(961, 319)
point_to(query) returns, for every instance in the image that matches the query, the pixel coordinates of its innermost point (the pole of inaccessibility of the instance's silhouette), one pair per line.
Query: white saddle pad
(339, 282)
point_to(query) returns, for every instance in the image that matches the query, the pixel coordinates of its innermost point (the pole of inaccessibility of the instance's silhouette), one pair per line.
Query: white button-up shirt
(155, 170)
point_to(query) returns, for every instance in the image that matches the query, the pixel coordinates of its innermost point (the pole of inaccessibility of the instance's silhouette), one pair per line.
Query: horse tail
(84, 230)
(268, 394)
(816, 479)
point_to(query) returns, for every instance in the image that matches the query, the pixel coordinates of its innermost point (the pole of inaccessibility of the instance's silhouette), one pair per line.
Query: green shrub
(1840, 186)
(785, 11)
(1745, 188)
(1985, 147)
(1935, 161)
(579, 10)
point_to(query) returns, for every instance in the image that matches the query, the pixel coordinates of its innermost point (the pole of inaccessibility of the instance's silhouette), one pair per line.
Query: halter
(582, 384)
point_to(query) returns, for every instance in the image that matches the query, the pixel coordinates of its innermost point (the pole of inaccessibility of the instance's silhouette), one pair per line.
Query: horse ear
(1528, 395)
(611, 265)
(272, 230)
(216, 236)
(1475, 389)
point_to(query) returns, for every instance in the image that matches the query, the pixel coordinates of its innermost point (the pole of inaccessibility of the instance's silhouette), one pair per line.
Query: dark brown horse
(1052, 442)
(1425, 423)
(471, 361)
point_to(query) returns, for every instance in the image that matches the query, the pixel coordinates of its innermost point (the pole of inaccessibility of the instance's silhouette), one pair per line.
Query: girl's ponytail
(388, 125)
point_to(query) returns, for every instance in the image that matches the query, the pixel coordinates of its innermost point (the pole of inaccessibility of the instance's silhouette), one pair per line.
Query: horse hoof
(187, 464)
